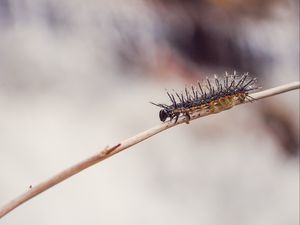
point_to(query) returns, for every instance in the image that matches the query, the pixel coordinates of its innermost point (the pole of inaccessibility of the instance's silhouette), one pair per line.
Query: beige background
(64, 96)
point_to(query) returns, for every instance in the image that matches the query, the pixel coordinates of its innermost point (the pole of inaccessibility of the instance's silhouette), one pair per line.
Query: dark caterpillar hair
(214, 95)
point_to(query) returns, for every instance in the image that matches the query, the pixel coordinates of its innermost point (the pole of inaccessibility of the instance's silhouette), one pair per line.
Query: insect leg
(177, 116)
(171, 117)
(188, 117)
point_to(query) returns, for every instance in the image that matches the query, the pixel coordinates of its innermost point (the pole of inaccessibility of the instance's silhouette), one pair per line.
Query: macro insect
(215, 94)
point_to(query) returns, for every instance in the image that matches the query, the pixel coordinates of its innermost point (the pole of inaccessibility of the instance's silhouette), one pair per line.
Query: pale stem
(110, 151)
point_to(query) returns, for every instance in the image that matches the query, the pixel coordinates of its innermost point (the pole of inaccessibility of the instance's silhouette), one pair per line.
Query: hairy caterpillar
(214, 94)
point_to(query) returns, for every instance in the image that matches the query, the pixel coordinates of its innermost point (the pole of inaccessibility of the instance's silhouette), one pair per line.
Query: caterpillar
(214, 95)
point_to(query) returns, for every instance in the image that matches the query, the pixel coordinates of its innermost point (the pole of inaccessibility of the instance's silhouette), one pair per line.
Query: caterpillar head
(164, 114)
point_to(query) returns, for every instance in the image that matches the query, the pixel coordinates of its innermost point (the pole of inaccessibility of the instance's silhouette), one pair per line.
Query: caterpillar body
(214, 95)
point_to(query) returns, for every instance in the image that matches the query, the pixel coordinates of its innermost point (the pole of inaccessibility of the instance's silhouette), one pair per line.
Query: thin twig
(110, 151)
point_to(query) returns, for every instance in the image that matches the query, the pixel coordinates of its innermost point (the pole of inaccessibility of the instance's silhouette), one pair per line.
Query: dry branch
(110, 151)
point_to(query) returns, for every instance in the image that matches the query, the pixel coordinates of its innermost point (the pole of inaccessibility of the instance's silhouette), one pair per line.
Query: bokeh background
(76, 76)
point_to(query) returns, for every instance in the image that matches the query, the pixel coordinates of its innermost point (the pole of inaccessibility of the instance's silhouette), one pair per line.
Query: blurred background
(76, 76)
